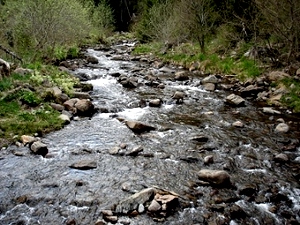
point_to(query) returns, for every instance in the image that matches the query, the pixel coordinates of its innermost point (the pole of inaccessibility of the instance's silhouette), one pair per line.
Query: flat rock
(270, 110)
(132, 202)
(235, 100)
(138, 127)
(217, 177)
(84, 165)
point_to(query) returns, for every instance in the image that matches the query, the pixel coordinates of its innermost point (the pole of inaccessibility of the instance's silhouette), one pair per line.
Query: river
(37, 190)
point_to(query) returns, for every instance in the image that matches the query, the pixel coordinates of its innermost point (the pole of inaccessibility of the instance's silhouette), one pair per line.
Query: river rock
(135, 151)
(276, 76)
(132, 202)
(70, 104)
(154, 206)
(281, 158)
(56, 91)
(26, 139)
(138, 127)
(217, 177)
(39, 148)
(178, 96)
(270, 110)
(65, 118)
(199, 138)
(100, 222)
(235, 100)
(155, 103)
(84, 165)
(238, 124)
(250, 91)
(57, 107)
(181, 76)
(81, 95)
(282, 128)
(210, 79)
(84, 107)
(208, 159)
(209, 87)
(92, 60)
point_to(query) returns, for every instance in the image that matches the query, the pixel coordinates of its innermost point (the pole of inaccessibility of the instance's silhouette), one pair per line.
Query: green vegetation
(292, 98)
(24, 102)
(188, 54)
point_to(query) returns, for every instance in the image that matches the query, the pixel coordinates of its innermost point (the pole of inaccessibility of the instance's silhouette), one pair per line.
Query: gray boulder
(215, 177)
(235, 100)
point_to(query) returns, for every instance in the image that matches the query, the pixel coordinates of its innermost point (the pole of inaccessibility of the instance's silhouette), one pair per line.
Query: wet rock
(178, 96)
(71, 222)
(199, 138)
(138, 127)
(281, 158)
(131, 82)
(132, 202)
(181, 76)
(111, 219)
(39, 148)
(236, 212)
(209, 87)
(282, 128)
(238, 124)
(92, 60)
(135, 151)
(84, 165)
(208, 159)
(154, 206)
(81, 95)
(84, 107)
(114, 150)
(155, 103)
(235, 100)
(65, 118)
(141, 208)
(57, 107)
(248, 190)
(100, 222)
(217, 177)
(210, 79)
(270, 110)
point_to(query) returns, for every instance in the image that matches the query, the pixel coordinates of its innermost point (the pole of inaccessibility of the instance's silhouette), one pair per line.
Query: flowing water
(37, 190)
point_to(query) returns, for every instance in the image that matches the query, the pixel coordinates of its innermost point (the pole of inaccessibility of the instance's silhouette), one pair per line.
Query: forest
(33, 28)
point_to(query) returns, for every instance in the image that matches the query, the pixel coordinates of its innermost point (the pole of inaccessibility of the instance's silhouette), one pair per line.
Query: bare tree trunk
(11, 53)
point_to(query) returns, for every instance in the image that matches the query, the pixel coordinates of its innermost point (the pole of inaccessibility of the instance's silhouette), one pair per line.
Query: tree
(38, 25)
(199, 17)
(282, 22)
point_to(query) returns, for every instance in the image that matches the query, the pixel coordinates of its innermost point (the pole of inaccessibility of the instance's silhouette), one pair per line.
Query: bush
(39, 25)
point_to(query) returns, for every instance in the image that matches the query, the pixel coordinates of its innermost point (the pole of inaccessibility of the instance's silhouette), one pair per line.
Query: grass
(292, 98)
(187, 54)
(23, 107)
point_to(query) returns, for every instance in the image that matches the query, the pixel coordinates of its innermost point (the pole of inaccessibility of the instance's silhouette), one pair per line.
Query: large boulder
(215, 177)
